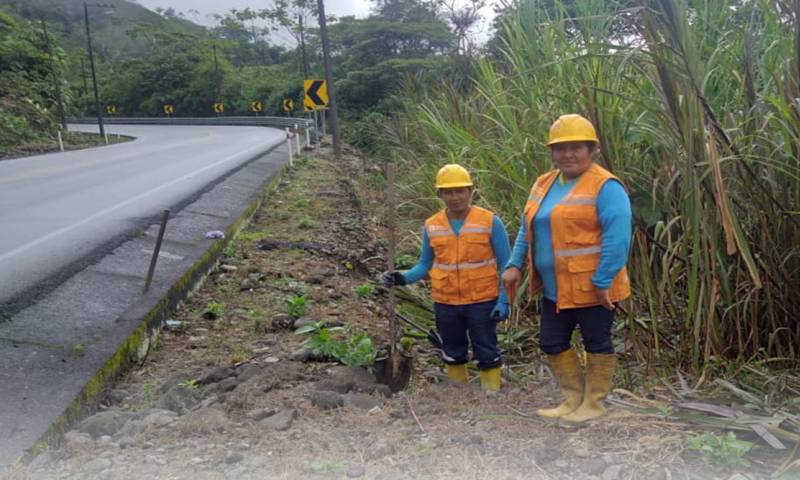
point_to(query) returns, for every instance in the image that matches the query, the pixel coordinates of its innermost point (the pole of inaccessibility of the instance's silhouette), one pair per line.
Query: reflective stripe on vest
(463, 266)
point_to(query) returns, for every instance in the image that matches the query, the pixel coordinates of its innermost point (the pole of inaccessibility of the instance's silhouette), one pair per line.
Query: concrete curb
(148, 315)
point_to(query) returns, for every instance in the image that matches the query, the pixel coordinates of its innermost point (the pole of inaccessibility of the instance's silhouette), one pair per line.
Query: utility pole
(56, 86)
(303, 45)
(83, 75)
(216, 73)
(326, 57)
(94, 75)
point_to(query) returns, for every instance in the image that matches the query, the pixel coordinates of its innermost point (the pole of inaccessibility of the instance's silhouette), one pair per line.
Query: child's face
(457, 200)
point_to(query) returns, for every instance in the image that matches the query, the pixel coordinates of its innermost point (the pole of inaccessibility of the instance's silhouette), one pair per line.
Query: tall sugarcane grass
(696, 105)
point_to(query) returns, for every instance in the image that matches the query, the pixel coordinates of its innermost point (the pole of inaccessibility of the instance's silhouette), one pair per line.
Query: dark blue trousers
(555, 329)
(460, 325)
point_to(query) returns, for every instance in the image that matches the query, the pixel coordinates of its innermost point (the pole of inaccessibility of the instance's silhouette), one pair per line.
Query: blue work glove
(499, 312)
(393, 279)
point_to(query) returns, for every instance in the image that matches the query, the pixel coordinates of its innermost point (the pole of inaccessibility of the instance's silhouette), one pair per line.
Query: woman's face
(572, 158)
(457, 200)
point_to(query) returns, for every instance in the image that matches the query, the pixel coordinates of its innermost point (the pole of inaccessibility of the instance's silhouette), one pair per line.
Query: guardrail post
(60, 141)
(308, 137)
(289, 144)
(297, 137)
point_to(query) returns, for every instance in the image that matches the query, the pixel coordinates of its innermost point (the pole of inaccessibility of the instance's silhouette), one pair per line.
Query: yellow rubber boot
(457, 373)
(568, 372)
(490, 379)
(599, 372)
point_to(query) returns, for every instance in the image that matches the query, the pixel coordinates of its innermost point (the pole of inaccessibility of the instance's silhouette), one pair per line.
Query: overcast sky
(339, 8)
(359, 8)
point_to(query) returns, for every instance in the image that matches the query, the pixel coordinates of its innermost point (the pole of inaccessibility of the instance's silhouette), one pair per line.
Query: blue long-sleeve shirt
(614, 214)
(500, 245)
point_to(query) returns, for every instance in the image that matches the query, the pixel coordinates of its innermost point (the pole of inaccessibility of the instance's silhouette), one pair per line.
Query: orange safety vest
(464, 266)
(576, 236)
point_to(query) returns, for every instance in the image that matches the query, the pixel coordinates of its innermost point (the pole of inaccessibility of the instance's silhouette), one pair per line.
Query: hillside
(111, 24)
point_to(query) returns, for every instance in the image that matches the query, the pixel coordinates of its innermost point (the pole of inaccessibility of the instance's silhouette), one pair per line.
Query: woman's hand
(604, 298)
(511, 278)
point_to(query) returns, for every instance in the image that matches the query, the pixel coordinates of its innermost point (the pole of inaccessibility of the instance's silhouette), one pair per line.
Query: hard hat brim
(454, 185)
(574, 138)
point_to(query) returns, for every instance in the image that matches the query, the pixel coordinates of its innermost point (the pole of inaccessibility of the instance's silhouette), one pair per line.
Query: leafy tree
(293, 17)
(375, 54)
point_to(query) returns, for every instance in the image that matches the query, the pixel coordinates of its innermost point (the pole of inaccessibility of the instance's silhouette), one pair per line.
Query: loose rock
(379, 450)
(282, 321)
(259, 414)
(179, 399)
(214, 375)
(281, 421)
(204, 421)
(302, 355)
(105, 423)
(228, 384)
(362, 401)
(303, 321)
(326, 399)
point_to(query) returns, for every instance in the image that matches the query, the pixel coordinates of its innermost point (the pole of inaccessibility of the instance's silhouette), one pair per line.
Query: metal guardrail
(278, 122)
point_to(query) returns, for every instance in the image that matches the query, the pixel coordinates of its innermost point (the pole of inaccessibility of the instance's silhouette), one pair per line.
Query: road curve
(55, 209)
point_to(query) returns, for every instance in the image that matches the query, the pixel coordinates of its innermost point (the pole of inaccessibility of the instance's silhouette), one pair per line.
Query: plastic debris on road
(215, 234)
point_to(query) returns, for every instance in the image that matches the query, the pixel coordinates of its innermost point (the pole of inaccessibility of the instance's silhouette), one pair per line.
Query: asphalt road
(58, 208)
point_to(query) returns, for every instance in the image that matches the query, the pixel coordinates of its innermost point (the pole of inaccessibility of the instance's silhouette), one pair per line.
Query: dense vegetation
(696, 106)
(145, 59)
(695, 102)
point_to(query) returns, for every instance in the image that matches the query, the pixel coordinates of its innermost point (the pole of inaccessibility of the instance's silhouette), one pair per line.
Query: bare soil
(231, 397)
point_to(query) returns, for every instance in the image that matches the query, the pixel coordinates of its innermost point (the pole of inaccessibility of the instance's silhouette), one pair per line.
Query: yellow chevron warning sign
(316, 94)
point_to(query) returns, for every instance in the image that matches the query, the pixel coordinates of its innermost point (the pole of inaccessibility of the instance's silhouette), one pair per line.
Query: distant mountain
(110, 21)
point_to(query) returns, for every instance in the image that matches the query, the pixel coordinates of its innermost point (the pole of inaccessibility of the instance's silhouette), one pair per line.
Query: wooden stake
(390, 224)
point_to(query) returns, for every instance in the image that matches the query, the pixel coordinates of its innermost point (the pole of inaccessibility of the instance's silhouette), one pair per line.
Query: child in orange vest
(463, 249)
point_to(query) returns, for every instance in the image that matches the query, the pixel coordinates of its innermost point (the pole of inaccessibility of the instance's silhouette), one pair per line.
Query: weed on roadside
(256, 317)
(306, 223)
(364, 290)
(214, 310)
(725, 450)
(296, 305)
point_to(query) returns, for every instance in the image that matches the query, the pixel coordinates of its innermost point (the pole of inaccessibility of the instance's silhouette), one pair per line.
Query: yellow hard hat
(572, 128)
(453, 176)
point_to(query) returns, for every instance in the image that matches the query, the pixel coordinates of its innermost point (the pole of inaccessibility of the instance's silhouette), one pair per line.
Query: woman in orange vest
(575, 232)
(462, 248)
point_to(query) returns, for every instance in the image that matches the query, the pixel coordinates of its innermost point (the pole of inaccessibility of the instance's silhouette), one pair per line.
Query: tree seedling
(296, 305)
(364, 290)
(214, 311)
